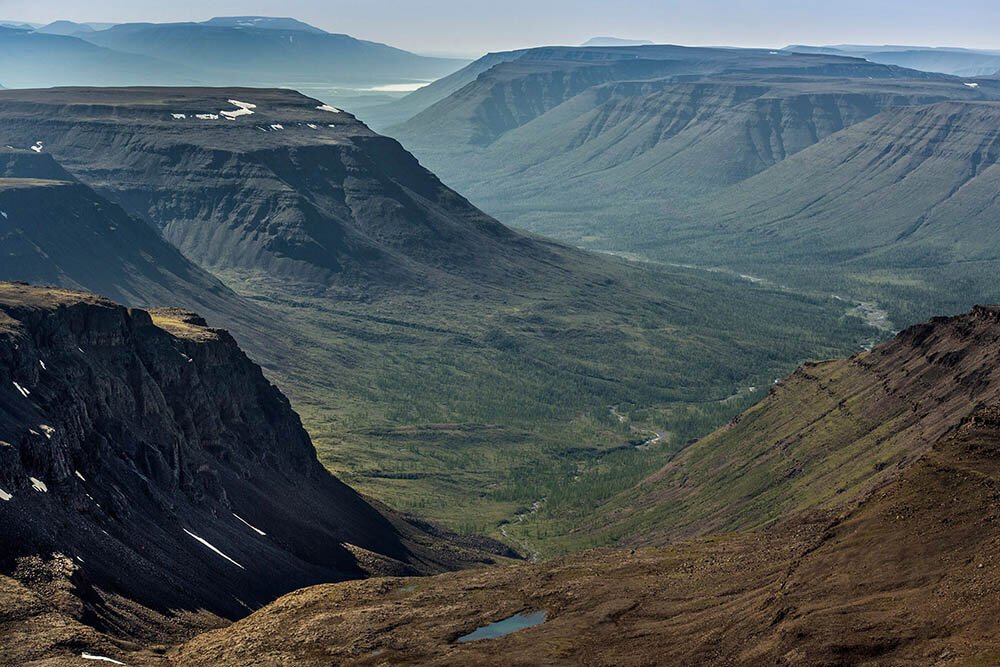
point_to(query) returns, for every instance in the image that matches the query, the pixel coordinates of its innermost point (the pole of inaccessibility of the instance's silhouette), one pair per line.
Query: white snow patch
(79, 559)
(82, 479)
(254, 528)
(81, 350)
(209, 545)
(47, 430)
(5, 496)
(327, 107)
(88, 656)
(331, 125)
(277, 127)
(42, 364)
(773, 53)
(243, 109)
(37, 147)
(4, 214)
(207, 116)
(38, 485)
(307, 125)
(972, 85)
(179, 116)
(24, 392)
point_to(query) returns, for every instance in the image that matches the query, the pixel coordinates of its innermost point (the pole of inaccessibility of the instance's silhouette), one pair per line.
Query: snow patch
(972, 85)
(307, 125)
(79, 475)
(254, 528)
(327, 107)
(88, 656)
(209, 545)
(179, 116)
(4, 214)
(277, 127)
(243, 109)
(331, 125)
(207, 116)
(42, 364)
(37, 147)
(38, 485)
(47, 430)
(5, 496)
(24, 392)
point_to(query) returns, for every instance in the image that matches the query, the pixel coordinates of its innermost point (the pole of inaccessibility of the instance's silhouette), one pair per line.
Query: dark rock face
(150, 452)
(55, 230)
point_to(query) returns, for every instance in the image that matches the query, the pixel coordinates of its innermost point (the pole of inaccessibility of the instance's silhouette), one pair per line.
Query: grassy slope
(824, 437)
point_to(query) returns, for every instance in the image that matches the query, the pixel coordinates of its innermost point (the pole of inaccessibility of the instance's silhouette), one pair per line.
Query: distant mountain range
(960, 62)
(245, 50)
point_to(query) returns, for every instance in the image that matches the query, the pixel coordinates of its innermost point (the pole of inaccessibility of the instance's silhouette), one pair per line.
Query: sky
(472, 27)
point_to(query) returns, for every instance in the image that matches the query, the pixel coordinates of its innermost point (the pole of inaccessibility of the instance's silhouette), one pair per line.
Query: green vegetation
(468, 410)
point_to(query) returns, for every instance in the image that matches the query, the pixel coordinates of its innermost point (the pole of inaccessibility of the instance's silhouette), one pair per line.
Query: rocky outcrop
(146, 452)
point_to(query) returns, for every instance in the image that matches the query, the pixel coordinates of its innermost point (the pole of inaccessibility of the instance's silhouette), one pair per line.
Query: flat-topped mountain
(268, 182)
(150, 473)
(668, 157)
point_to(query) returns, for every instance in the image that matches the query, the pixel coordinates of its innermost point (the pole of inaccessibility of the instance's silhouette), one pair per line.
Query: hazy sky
(473, 26)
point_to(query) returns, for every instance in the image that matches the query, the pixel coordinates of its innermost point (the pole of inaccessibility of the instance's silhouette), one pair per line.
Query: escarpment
(150, 456)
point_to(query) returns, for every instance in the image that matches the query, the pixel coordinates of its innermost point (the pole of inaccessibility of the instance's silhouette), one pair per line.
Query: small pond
(506, 626)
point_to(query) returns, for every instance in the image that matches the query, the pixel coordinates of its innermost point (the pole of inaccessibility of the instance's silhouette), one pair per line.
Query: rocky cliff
(147, 462)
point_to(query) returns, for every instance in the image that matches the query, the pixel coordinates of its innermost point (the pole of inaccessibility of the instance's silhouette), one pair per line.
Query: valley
(319, 351)
(441, 362)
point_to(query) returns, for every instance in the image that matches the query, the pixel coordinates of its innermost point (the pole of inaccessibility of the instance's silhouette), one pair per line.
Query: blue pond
(506, 626)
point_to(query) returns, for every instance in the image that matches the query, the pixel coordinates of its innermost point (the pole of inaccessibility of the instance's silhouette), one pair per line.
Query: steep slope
(287, 189)
(32, 59)
(575, 143)
(902, 573)
(56, 231)
(657, 167)
(162, 482)
(235, 51)
(826, 436)
(510, 94)
(927, 175)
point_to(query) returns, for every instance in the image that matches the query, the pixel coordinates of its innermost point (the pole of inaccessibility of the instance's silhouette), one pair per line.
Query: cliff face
(146, 451)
